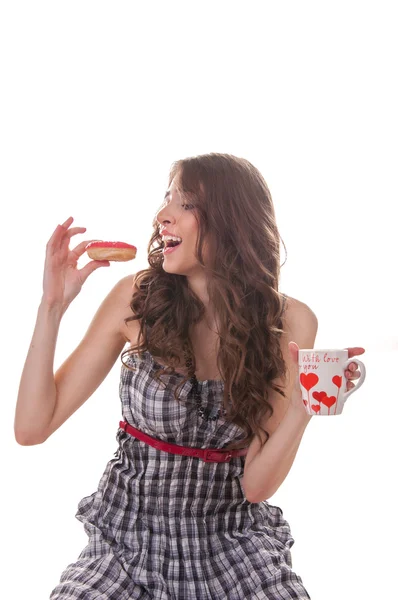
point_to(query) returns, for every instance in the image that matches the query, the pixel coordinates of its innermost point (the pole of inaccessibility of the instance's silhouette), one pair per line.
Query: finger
(55, 241)
(351, 375)
(91, 267)
(350, 385)
(70, 233)
(294, 350)
(58, 236)
(351, 368)
(80, 249)
(75, 231)
(355, 351)
(68, 222)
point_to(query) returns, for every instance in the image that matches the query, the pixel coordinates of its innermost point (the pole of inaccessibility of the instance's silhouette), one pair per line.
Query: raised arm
(46, 400)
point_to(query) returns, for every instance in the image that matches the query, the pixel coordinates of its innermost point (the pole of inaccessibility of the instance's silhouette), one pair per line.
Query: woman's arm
(37, 391)
(266, 469)
(270, 467)
(46, 401)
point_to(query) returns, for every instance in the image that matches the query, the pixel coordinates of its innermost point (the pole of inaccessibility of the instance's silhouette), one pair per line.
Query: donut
(118, 251)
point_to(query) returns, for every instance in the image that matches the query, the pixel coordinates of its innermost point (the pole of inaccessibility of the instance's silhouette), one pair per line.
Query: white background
(97, 100)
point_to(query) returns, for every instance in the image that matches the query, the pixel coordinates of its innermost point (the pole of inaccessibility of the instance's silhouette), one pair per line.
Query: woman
(210, 365)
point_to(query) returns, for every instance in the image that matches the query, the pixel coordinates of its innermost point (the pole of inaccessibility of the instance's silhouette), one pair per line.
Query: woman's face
(178, 219)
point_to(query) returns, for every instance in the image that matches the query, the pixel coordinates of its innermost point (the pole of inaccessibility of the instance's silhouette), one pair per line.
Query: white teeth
(166, 238)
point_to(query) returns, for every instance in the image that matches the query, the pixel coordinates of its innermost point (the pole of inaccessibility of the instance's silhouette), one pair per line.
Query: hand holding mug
(325, 378)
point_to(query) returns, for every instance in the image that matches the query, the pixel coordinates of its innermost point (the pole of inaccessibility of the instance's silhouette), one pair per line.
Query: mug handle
(359, 381)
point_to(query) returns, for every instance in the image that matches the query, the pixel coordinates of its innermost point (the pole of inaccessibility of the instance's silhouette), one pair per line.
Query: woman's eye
(188, 206)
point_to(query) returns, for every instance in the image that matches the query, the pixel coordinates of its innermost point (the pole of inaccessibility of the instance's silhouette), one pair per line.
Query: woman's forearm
(37, 390)
(269, 468)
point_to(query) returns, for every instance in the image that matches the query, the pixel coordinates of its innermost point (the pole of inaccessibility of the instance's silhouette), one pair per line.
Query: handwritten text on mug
(311, 361)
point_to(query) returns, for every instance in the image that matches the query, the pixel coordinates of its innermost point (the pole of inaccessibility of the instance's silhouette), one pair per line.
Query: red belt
(206, 454)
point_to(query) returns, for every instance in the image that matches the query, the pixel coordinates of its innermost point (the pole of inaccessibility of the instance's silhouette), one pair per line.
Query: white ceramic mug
(323, 382)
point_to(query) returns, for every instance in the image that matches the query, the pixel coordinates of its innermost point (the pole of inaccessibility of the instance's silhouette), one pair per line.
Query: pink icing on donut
(101, 244)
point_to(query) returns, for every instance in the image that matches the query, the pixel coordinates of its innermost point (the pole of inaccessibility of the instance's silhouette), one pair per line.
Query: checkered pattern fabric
(162, 526)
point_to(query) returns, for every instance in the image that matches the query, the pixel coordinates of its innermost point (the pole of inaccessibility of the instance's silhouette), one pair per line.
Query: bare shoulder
(300, 323)
(114, 310)
(121, 295)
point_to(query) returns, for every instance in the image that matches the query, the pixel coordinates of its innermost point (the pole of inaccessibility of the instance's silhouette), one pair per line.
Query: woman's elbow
(255, 496)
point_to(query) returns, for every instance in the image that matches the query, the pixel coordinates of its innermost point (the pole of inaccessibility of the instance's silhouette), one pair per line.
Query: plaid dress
(163, 526)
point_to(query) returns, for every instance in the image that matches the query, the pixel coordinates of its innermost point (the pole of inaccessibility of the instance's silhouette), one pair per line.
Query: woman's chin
(169, 268)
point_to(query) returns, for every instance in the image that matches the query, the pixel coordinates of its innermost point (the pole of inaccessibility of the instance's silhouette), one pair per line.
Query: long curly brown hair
(236, 219)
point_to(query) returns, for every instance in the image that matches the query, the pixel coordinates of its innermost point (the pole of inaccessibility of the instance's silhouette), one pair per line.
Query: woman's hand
(351, 373)
(62, 280)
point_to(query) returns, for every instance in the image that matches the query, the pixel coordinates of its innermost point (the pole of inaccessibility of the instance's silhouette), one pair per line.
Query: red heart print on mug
(318, 395)
(328, 400)
(337, 379)
(308, 380)
(316, 407)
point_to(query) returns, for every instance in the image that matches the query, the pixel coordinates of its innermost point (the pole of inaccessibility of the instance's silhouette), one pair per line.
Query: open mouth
(170, 246)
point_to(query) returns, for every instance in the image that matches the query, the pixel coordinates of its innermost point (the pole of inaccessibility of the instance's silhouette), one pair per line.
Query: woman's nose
(165, 215)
